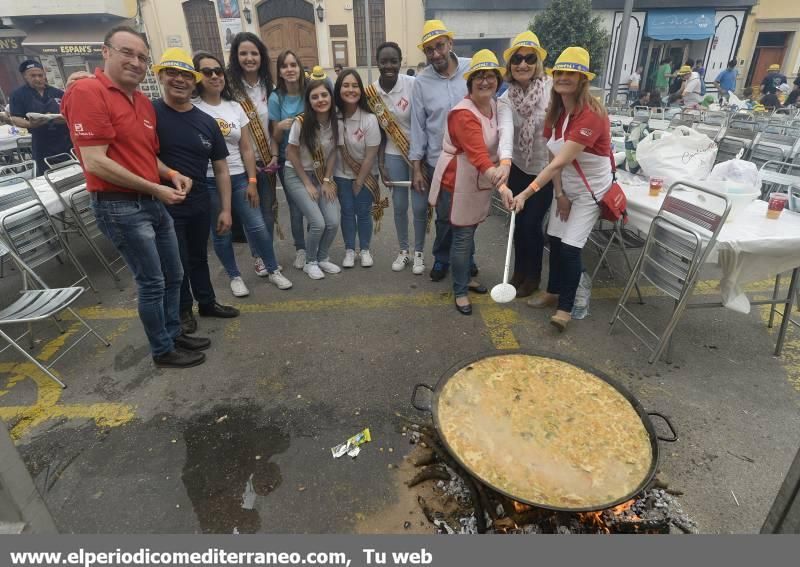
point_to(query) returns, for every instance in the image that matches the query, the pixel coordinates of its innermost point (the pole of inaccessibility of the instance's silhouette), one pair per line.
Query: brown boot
(527, 287)
(543, 299)
(560, 320)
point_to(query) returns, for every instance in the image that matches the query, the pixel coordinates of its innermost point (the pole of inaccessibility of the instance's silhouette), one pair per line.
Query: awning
(64, 36)
(691, 24)
(11, 40)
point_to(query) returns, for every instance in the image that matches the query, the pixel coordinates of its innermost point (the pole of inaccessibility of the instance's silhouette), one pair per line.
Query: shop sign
(11, 44)
(71, 49)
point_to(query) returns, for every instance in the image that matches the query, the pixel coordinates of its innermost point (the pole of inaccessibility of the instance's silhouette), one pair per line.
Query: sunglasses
(175, 73)
(208, 72)
(518, 58)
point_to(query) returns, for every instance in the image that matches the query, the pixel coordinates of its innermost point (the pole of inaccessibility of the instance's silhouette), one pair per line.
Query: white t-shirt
(231, 118)
(362, 131)
(258, 96)
(398, 102)
(692, 92)
(325, 139)
(633, 82)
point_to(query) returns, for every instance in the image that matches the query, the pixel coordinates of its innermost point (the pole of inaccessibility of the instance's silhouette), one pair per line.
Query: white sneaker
(349, 259)
(401, 261)
(419, 263)
(238, 288)
(279, 280)
(260, 268)
(300, 260)
(313, 271)
(329, 267)
(366, 259)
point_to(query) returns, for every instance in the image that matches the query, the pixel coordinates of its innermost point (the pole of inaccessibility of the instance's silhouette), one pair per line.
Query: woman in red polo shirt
(467, 169)
(579, 140)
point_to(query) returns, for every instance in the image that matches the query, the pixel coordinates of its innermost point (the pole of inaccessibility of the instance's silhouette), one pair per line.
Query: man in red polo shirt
(113, 128)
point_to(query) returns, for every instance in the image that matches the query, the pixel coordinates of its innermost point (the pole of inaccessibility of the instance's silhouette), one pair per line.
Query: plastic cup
(777, 202)
(656, 185)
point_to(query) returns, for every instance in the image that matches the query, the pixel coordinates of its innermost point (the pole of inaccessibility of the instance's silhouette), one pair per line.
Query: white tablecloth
(750, 247)
(8, 141)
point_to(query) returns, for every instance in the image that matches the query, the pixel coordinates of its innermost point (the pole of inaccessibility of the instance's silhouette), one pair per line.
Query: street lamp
(320, 13)
(248, 15)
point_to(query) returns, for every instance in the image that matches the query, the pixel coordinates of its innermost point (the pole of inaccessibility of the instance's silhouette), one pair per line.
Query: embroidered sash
(370, 183)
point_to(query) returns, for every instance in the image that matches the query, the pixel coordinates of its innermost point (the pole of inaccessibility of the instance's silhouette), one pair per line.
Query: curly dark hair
(235, 71)
(227, 93)
(391, 45)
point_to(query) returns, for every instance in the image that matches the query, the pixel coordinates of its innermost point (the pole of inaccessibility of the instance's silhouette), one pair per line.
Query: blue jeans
(295, 213)
(253, 222)
(398, 170)
(322, 214)
(565, 273)
(463, 243)
(143, 233)
(356, 214)
(443, 243)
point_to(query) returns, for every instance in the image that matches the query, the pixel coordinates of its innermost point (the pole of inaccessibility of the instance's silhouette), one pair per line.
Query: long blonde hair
(583, 99)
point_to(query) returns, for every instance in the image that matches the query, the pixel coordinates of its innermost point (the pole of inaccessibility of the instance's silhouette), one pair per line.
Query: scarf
(531, 105)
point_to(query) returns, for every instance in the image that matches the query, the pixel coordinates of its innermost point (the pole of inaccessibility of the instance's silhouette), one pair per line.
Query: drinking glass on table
(656, 185)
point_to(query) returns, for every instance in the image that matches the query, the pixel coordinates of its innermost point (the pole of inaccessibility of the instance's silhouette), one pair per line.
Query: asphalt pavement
(242, 443)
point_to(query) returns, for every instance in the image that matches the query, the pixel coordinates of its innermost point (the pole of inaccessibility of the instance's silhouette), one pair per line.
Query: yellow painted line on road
(498, 321)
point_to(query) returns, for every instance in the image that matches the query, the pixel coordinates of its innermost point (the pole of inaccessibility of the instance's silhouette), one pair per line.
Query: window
(201, 21)
(377, 28)
(340, 53)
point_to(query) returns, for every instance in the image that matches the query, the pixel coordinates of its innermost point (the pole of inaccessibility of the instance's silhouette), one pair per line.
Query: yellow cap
(575, 59)
(317, 74)
(685, 70)
(774, 67)
(177, 58)
(481, 61)
(433, 29)
(525, 39)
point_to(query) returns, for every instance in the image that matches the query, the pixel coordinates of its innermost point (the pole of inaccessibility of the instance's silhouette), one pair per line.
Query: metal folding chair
(729, 148)
(25, 148)
(713, 131)
(680, 238)
(68, 181)
(36, 304)
(778, 177)
(603, 237)
(762, 153)
(29, 231)
(21, 169)
(715, 118)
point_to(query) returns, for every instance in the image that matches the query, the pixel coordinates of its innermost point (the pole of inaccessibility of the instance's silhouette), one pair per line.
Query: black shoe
(188, 323)
(179, 358)
(464, 309)
(476, 287)
(439, 271)
(186, 342)
(217, 310)
(473, 270)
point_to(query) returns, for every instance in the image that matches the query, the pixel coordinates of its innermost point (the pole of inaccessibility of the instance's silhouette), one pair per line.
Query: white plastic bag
(580, 309)
(682, 153)
(738, 171)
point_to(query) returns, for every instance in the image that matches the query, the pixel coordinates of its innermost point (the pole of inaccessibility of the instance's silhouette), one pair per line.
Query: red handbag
(614, 204)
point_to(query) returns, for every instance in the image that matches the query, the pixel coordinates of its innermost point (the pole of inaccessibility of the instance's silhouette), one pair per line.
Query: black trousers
(565, 273)
(528, 233)
(192, 220)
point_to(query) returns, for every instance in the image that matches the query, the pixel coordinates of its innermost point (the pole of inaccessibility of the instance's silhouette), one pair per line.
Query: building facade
(772, 36)
(707, 30)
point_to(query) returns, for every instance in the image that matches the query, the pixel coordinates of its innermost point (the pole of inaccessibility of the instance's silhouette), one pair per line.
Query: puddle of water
(228, 466)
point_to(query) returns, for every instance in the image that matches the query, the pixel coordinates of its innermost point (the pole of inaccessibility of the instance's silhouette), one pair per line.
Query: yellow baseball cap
(774, 67)
(685, 70)
(177, 58)
(318, 74)
(575, 59)
(481, 61)
(525, 39)
(433, 29)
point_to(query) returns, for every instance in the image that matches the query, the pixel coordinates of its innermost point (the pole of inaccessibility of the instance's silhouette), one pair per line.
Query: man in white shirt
(633, 84)
(691, 91)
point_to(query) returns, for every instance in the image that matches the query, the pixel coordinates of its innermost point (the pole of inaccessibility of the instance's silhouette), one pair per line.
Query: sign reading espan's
(72, 49)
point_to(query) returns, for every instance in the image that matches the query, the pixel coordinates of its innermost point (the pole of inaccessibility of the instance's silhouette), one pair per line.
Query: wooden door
(294, 34)
(766, 56)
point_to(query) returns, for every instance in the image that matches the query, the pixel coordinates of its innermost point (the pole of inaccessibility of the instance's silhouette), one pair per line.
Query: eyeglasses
(518, 58)
(175, 73)
(484, 77)
(441, 47)
(208, 72)
(130, 54)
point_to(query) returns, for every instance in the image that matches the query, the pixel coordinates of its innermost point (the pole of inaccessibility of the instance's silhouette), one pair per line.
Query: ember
(479, 509)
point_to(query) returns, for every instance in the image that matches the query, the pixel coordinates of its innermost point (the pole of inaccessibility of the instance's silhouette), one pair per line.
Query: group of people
(166, 175)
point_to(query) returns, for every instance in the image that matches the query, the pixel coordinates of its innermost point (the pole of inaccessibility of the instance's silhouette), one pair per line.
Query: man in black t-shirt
(188, 139)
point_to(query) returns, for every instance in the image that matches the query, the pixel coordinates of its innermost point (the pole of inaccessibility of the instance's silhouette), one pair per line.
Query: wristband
(171, 172)
(505, 162)
(534, 187)
(252, 180)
